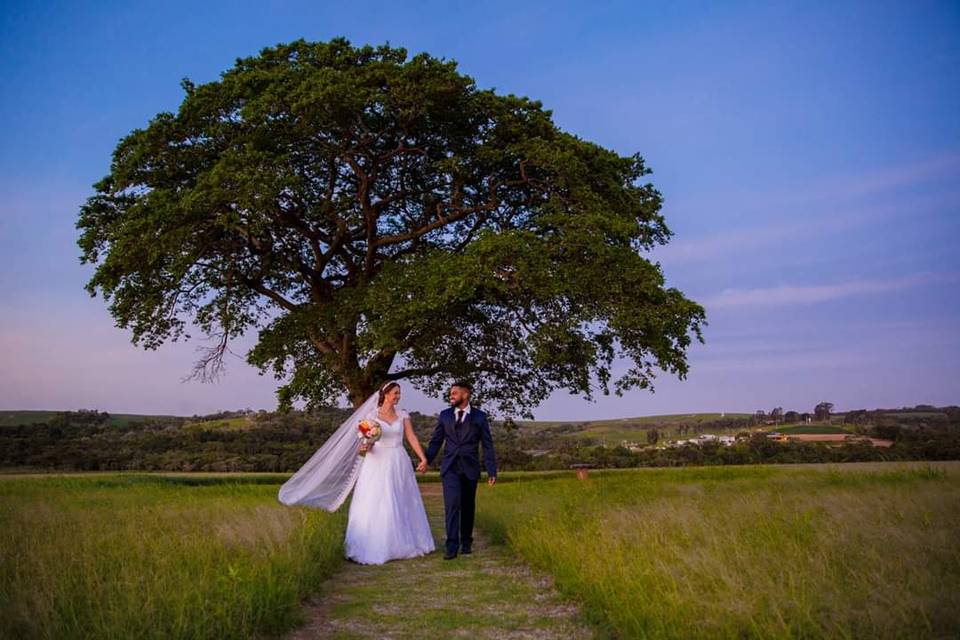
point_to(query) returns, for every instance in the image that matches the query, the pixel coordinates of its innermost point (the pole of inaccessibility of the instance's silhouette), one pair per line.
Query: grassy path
(488, 594)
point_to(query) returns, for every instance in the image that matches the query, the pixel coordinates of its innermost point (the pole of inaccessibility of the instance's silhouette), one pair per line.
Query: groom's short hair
(463, 384)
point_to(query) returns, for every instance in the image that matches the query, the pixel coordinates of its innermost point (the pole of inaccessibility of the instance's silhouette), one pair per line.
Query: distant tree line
(73, 441)
(821, 413)
(727, 423)
(753, 449)
(282, 442)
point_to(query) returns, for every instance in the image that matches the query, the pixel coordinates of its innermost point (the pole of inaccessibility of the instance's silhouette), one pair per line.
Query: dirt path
(488, 594)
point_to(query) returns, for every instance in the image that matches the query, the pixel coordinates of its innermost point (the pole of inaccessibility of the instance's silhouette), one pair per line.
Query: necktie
(459, 417)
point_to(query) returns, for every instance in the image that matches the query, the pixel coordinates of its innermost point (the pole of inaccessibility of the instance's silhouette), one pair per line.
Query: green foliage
(363, 209)
(265, 443)
(13, 418)
(282, 442)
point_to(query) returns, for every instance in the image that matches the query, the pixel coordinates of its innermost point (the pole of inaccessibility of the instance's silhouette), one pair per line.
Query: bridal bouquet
(368, 432)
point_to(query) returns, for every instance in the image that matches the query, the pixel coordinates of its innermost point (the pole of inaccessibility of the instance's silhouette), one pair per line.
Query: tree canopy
(376, 216)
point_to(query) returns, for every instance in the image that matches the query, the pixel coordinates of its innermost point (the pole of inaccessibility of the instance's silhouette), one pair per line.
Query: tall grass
(121, 556)
(746, 552)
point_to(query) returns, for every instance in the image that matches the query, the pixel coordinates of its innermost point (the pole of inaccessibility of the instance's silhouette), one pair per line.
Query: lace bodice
(392, 431)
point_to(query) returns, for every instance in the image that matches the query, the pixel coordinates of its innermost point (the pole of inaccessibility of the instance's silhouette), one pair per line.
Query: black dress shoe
(466, 550)
(449, 556)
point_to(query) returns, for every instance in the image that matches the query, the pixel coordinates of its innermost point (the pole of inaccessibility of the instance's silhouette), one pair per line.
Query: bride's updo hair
(384, 390)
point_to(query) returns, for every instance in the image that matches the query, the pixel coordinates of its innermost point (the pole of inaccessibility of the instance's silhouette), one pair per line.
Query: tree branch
(400, 150)
(415, 372)
(436, 224)
(210, 366)
(258, 286)
(324, 346)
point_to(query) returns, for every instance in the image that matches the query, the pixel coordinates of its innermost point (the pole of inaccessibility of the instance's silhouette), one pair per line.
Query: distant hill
(262, 441)
(684, 425)
(610, 432)
(614, 430)
(669, 426)
(23, 417)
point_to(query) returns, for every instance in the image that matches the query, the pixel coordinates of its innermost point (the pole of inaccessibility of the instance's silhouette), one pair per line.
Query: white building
(705, 437)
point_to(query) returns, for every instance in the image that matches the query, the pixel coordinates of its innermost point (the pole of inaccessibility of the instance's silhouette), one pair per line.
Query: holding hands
(422, 466)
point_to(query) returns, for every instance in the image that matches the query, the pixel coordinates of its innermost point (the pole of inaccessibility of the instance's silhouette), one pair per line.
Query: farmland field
(810, 428)
(630, 429)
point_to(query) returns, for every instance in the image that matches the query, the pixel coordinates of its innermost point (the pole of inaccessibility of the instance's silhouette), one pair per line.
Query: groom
(462, 427)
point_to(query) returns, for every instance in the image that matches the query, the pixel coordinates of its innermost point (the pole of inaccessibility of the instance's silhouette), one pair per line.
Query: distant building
(705, 437)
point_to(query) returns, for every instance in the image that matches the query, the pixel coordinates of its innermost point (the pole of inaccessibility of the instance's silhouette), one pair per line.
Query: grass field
(810, 428)
(789, 551)
(138, 556)
(859, 550)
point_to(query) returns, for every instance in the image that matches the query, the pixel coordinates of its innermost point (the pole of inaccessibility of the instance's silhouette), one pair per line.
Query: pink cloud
(784, 295)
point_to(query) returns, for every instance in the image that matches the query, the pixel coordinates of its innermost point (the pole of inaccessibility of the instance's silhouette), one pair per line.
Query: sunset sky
(808, 154)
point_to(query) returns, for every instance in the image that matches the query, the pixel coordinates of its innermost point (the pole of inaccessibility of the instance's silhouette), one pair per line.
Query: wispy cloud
(773, 361)
(785, 295)
(858, 343)
(945, 165)
(736, 241)
(837, 216)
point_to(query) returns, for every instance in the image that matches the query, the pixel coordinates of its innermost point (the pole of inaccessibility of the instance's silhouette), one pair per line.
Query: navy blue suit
(460, 469)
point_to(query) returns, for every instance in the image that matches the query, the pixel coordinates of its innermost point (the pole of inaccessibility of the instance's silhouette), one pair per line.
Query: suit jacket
(462, 447)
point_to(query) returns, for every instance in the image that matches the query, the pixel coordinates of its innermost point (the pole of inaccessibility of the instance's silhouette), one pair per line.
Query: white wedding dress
(387, 519)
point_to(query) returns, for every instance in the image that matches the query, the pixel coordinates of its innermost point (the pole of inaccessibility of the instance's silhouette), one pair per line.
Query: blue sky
(808, 153)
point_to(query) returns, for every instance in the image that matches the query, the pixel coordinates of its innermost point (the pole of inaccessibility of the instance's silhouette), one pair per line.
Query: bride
(387, 520)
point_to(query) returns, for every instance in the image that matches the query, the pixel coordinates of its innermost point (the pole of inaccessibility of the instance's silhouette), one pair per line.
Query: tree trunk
(362, 381)
(359, 393)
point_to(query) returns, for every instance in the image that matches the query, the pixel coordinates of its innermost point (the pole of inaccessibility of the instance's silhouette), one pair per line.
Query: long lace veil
(324, 480)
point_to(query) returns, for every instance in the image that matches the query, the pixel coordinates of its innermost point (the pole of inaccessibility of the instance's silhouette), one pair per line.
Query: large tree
(378, 217)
